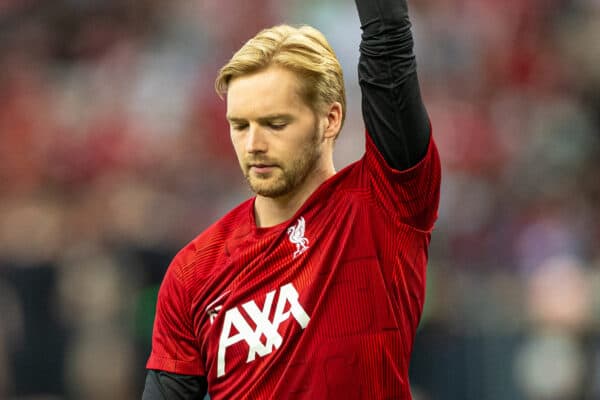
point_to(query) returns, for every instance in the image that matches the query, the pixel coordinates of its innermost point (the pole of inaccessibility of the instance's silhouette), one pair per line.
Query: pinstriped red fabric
(323, 306)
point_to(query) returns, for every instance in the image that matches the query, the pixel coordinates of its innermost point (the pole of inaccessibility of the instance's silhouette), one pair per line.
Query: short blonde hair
(303, 50)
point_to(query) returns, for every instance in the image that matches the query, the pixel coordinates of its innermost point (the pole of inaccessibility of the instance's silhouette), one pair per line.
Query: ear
(333, 121)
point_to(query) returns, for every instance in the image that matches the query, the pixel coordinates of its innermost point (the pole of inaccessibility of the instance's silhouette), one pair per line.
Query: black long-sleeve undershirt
(161, 385)
(393, 111)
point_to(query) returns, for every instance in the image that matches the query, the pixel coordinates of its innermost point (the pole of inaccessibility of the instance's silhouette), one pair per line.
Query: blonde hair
(304, 51)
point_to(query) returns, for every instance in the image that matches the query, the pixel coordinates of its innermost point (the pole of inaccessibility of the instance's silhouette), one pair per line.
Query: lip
(262, 168)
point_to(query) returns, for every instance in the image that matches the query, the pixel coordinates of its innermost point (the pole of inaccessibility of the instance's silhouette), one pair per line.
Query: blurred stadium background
(114, 153)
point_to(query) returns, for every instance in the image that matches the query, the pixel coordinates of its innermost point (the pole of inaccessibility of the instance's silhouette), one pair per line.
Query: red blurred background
(114, 152)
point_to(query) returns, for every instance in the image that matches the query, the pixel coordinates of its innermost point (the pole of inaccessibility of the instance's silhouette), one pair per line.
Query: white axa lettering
(235, 320)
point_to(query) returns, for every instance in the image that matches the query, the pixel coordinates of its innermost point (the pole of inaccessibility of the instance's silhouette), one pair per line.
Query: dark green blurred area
(114, 153)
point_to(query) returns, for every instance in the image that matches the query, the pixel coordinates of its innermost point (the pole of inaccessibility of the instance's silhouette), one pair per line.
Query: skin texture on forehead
(260, 90)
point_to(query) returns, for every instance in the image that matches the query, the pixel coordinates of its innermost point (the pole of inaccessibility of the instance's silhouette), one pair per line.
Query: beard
(286, 176)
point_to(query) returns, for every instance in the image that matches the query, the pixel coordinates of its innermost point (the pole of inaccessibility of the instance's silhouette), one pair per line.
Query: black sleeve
(162, 385)
(393, 111)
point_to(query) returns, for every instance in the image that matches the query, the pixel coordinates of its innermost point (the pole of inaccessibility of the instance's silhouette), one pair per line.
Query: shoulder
(201, 252)
(408, 196)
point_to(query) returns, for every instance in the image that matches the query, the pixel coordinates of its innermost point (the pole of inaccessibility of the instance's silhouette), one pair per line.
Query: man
(314, 288)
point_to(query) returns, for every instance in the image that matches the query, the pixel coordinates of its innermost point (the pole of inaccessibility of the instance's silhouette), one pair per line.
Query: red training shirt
(323, 306)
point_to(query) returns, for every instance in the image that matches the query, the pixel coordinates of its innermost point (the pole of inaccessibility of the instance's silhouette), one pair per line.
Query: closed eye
(276, 126)
(239, 127)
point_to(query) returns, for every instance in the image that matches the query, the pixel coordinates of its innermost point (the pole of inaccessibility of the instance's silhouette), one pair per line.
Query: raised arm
(393, 110)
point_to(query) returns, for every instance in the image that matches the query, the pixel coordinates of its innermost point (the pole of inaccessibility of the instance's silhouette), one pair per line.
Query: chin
(269, 189)
(272, 192)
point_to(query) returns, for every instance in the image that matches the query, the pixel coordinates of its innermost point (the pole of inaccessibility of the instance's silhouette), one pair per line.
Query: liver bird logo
(296, 234)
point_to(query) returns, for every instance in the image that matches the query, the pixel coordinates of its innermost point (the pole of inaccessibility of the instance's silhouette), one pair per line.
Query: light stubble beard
(285, 179)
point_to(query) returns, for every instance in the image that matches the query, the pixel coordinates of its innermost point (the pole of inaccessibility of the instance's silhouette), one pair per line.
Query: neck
(271, 211)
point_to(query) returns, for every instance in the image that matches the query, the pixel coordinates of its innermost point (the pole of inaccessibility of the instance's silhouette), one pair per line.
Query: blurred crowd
(114, 152)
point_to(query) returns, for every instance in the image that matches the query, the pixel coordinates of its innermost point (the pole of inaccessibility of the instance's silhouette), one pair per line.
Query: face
(277, 137)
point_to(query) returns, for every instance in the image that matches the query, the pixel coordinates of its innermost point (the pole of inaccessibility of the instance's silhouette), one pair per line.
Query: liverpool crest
(296, 235)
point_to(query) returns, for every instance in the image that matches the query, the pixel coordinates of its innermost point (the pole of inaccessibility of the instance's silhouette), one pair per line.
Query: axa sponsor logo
(237, 327)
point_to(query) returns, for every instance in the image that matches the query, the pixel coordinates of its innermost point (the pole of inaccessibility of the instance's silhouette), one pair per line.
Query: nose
(255, 139)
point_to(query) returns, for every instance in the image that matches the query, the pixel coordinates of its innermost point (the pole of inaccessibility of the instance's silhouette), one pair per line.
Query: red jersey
(323, 306)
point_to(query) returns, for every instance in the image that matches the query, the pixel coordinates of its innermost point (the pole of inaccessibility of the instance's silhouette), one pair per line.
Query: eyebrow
(262, 120)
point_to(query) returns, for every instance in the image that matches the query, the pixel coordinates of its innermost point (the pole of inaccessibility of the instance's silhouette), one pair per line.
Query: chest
(309, 283)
